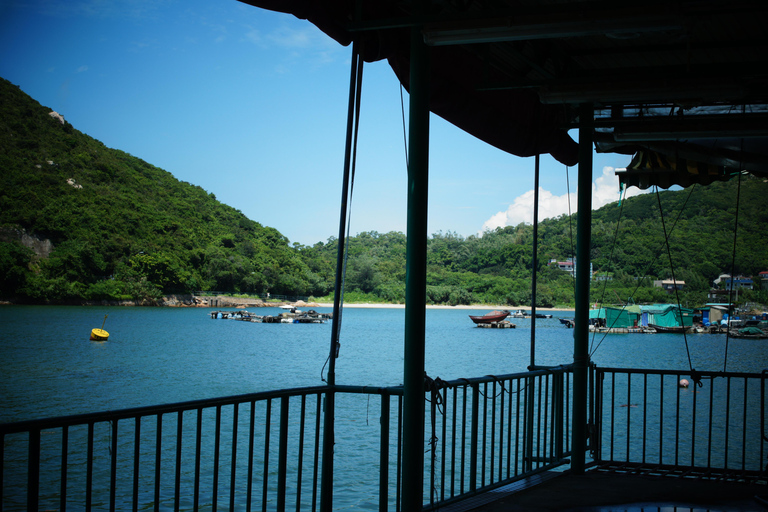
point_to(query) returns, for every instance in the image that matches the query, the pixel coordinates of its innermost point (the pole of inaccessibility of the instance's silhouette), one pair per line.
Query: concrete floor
(600, 491)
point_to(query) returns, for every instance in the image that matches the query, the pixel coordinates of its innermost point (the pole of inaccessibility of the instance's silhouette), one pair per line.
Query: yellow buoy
(100, 334)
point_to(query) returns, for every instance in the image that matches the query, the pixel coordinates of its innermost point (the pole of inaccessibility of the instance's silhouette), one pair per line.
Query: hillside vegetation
(80, 221)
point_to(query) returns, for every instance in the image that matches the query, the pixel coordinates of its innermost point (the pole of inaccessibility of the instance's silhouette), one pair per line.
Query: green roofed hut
(667, 317)
(615, 318)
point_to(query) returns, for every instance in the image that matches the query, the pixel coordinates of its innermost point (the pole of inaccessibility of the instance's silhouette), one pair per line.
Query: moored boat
(669, 329)
(493, 316)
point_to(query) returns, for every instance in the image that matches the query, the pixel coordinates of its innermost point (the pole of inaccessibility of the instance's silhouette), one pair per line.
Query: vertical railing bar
(384, 454)
(693, 426)
(661, 419)
(300, 466)
(463, 438)
(509, 427)
(526, 458)
(744, 429)
(113, 468)
(546, 432)
(645, 415)
(265, 471)
(33, 469)
(568, 395)
(540, 390)
(501, 434)
(454, 394)
(492, 457)
(316, 462)
(613, 412)
(443, 443)
(677, 422)
(473, 437)
(711, 422)
(251, 449)
(136, 461)
(198, 456)
(233, 471)
(399, 473)
(64, 465)
(179, 444)
(431, 443)
(727, 419)
(89, 469)
(158, 459)
(484, 434)
(216, 454)
(282, 454)
(629, 410)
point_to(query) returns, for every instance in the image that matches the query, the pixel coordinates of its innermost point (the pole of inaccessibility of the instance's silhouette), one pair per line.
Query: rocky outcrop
(41, 247)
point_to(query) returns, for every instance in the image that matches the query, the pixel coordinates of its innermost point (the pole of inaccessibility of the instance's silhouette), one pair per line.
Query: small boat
(543, 315)
(100, 334)
(493, 316)
(668, 330)
(519, 314)
(568, 322)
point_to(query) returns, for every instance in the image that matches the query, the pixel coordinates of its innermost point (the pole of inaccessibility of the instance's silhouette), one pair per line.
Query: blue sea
(166, 355)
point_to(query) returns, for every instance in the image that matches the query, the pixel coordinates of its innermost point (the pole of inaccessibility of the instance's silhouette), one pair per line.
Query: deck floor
(611, 491)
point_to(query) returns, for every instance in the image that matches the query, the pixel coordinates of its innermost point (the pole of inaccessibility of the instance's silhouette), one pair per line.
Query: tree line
(117, 227)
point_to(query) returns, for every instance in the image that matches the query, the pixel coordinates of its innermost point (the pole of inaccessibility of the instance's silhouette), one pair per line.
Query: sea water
(166, 355)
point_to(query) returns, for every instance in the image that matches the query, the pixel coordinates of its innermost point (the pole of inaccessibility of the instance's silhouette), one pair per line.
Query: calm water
(164, 355)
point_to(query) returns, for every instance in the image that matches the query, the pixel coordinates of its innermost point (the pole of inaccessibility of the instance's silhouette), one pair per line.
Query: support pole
(534, 279)
(416, 276)
(581, 329)
(329, 412)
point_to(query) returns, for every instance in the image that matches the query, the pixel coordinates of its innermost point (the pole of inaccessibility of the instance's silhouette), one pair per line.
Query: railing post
(473, 437)
(384, 454)
(33, 470)
(282, 457)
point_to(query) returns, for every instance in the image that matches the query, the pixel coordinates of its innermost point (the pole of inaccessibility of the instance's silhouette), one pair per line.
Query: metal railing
(715, 425)
(261, 451)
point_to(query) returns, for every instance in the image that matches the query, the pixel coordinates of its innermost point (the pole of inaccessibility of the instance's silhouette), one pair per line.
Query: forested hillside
(80, 221)
(118, 226)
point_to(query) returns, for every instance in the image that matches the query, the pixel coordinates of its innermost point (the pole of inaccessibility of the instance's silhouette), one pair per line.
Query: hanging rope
(733, 275)
(694, 375)
(652, 262)
(405, 130)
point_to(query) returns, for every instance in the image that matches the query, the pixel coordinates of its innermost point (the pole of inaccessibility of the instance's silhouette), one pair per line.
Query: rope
(694, 374)
(733, 274)
(647, 268)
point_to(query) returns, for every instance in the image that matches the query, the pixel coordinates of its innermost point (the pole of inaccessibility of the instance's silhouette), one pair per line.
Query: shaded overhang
(680, 86)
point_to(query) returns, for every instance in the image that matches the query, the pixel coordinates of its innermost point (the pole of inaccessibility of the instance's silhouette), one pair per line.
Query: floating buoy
(683, 383)
(100, 334)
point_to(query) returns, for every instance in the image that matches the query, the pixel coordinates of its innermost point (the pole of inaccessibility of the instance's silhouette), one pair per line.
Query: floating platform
(504, 324)
(292, 317)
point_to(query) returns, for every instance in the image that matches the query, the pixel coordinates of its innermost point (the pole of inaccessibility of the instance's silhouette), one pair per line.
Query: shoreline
(440, 306)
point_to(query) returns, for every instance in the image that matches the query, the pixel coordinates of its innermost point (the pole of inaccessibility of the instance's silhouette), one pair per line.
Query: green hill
(81, 221)
(118, 226)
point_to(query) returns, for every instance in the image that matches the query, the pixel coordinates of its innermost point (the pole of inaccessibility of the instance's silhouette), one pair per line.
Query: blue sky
(251, 106)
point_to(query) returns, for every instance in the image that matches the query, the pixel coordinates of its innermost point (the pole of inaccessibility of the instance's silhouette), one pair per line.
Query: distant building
(602, 276)
(738, 282)
(669, 285)
(569, 266)
(764, 280)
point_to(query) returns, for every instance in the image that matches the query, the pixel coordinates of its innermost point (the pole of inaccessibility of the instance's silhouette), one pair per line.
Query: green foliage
(123, 228)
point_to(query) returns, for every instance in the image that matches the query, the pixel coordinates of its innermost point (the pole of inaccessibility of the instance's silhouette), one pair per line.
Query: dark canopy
(684, 82)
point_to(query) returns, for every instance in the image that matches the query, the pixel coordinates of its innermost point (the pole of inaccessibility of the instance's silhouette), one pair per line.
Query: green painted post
(581, 329)
(416, 277)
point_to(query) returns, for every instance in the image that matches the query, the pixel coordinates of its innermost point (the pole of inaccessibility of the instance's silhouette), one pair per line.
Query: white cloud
(605, 190)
